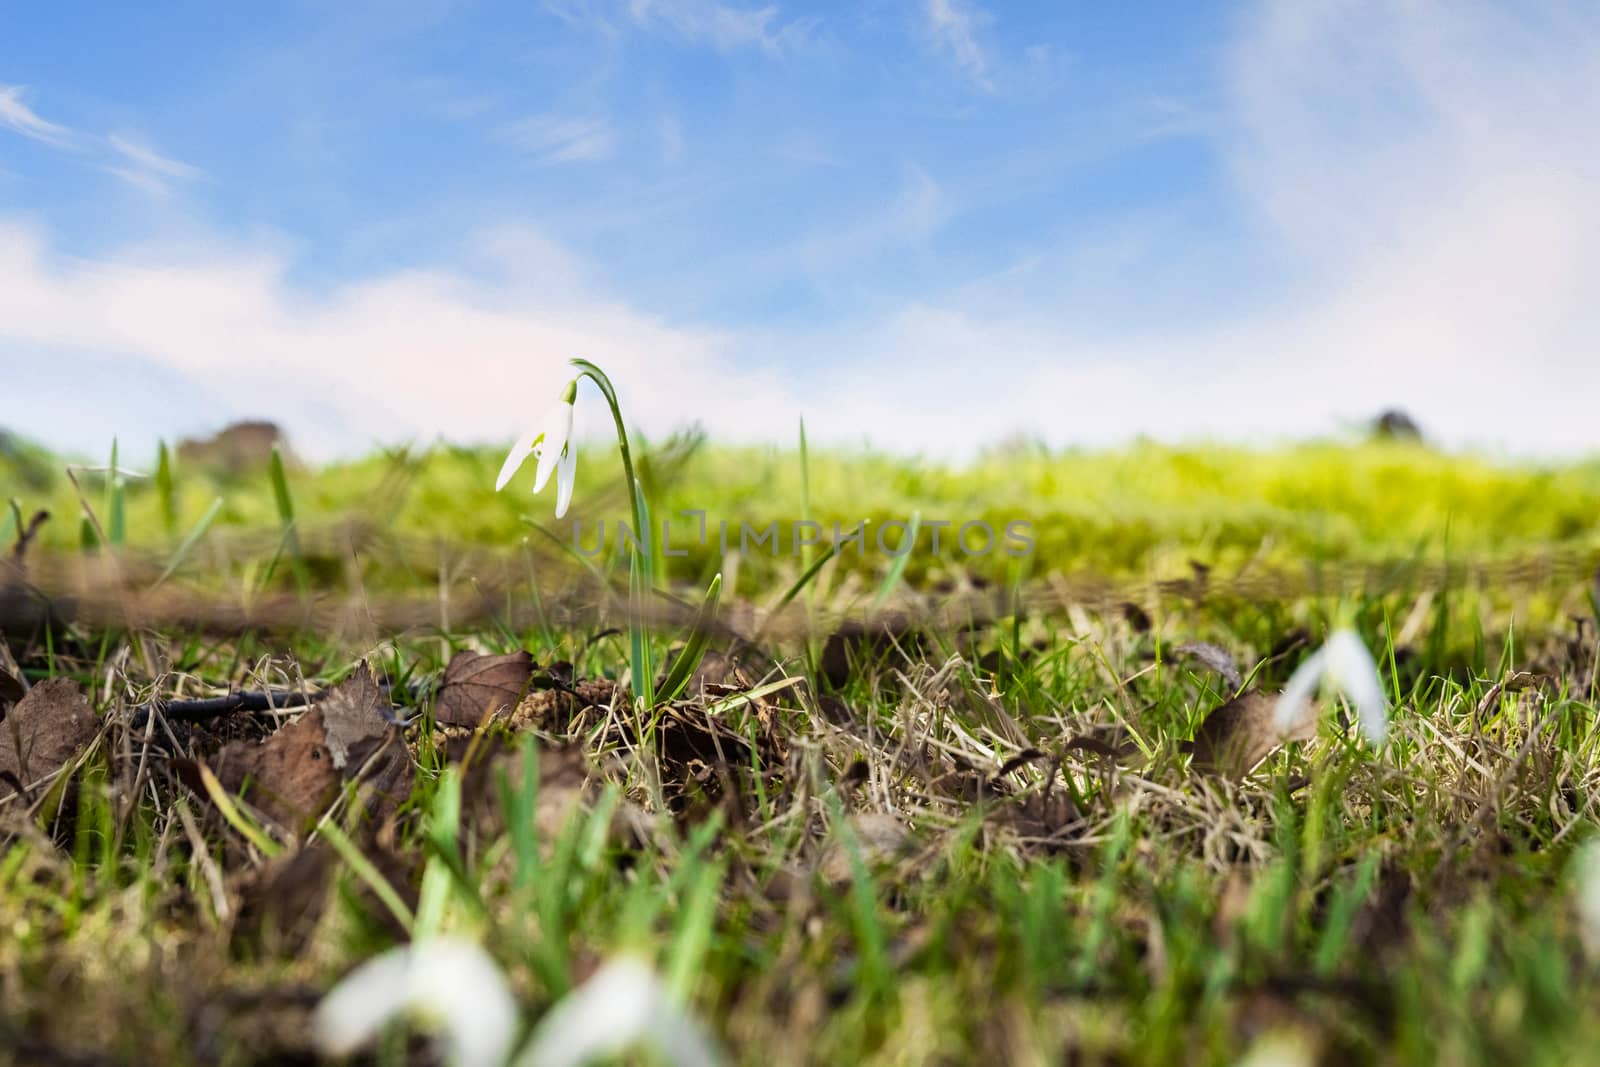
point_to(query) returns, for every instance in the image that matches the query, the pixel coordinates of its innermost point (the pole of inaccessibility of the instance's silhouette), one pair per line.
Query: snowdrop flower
(623, 1005)
(551, 440)
(1345, 663)
(1586, 876)
(452, 983)
(1280, 1048)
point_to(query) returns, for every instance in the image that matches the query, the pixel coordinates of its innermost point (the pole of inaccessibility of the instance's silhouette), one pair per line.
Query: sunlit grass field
(944, 808)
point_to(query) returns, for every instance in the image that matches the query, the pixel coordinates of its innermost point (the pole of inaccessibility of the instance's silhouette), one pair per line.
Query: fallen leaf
(294, 774)
(290, 777)
(1214, 658)
(1239, 734)
(476, 686)
(355, 718)
(48, 729)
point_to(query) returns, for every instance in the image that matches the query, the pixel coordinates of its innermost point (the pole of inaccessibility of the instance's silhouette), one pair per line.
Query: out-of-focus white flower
(551, 440)
(1345, 665)
(1586, 884)
(623, 1005)
(1280, 1048)
(450, 984)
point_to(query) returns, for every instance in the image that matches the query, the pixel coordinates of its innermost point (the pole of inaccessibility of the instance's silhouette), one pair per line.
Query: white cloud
(419, 353)
(954, 27)
(723, 27)
(17, 116)
(1431, 172)
(144, 168)
(1427, 182)
(561, 139)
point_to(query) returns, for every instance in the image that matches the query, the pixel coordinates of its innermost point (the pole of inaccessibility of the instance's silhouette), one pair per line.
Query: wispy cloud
(18, 117)
(144, 168)
(954, 26)
(561, 138)
(451, 351)
(723, 27)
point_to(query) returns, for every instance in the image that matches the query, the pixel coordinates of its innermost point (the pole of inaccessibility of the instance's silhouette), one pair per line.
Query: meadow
(843, 805)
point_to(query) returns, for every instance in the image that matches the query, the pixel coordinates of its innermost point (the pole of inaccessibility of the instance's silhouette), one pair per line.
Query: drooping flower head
(451, 985)
(622, 1006)
(1344, 665)
(550, 439)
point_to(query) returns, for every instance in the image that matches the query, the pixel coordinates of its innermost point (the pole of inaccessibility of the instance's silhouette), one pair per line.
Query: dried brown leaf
(355, 718)
(477, 686)
(48, 729)
(294, 774)
(1239, 734)
(290, 777)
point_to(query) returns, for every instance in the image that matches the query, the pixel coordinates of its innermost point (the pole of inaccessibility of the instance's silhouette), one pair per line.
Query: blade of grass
(235, 818)
(285, 505)
(190, 540)
(165, 491)
(363, 869)
(897, 569)
(694, 648)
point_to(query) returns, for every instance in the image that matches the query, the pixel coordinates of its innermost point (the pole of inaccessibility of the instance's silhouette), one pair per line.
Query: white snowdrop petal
(1295, 703)
(517, 456)
(357, 1007)
(566, 470)
(558, 430)
(684, 1044)
(459, 984)
(454, 985)
(1356, 675)
(623, 1005)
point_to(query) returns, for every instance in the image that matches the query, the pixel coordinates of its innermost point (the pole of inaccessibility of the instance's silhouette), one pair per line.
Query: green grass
(841, 873)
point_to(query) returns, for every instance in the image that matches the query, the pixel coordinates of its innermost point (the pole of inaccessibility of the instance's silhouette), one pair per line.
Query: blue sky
(925, 223)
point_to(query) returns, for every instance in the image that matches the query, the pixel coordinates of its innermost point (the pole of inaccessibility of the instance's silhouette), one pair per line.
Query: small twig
(25, 537)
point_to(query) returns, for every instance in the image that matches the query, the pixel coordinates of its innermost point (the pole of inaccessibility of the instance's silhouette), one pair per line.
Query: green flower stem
(643, 577)
(598, 376)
